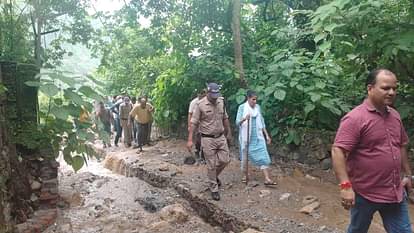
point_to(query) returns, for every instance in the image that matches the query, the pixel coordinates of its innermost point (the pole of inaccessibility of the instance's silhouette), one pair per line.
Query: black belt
(211, 136)
(124, 118)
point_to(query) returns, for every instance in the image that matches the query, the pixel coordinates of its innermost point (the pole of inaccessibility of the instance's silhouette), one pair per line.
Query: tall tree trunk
(238, 56)
(37, 25)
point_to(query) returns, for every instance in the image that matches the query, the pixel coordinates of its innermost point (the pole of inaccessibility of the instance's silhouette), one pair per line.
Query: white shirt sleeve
(192, 105)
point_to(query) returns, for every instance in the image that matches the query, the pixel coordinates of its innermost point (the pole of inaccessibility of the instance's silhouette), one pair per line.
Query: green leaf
(49, 89)
(89, 92)
(320, 85)
(32, 83)
(327, 104)
(240, 99)
(332, 26)
(71, 81)
(280, 94)
(325, 46)
(351, 56)
(315, 97)
(274, 131)
(319, 37)
(60, 112)
(74, 97)
(77, 162)
(58, 101)
(308, 108)
(269, 90)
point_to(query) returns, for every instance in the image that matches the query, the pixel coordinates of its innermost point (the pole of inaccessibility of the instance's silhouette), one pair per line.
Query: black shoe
(218, 182)
(215, 196)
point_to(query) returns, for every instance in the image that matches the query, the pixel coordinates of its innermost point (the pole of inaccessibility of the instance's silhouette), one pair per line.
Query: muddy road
(155, 191)
(95, 200)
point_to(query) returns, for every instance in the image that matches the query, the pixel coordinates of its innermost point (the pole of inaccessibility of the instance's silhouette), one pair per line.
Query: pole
(247, 151)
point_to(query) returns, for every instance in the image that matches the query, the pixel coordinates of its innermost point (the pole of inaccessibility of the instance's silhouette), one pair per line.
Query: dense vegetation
(307, 59)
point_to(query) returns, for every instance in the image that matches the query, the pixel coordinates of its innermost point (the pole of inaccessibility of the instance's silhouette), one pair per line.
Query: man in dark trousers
(211, 119)
(142, 115)
(370, 160)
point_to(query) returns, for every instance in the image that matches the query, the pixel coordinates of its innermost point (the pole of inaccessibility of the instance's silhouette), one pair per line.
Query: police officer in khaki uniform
(210, 117)
(124, 110)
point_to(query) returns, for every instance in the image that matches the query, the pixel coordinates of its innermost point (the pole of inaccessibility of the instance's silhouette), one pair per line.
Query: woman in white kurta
(258, 136)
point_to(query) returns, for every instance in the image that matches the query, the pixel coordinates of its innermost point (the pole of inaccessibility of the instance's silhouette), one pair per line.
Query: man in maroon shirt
(370, 159)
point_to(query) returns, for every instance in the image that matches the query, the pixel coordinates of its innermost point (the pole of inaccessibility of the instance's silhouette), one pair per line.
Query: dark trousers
(135, 132)
(118, 130)
(394, 216)
(142, 134)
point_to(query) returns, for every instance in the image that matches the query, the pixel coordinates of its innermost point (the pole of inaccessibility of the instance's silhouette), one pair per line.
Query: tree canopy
(306, 59)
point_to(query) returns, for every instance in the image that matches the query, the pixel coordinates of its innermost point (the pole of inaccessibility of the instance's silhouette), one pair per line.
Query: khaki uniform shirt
(124, 110)
(209, 116)
(142, 115)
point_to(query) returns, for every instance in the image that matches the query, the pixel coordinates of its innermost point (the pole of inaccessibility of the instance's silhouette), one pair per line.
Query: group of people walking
(209, 126)
(131, 120)
(369, 153)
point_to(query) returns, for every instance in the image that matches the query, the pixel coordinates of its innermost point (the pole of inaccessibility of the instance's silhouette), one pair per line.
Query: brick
(51, 183)
(45, 196)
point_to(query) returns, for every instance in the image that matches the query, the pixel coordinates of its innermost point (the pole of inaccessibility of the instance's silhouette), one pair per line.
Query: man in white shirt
(197, 136)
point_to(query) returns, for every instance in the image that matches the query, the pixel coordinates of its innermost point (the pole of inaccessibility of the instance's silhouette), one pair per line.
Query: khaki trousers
(216, 153)
(127, 131)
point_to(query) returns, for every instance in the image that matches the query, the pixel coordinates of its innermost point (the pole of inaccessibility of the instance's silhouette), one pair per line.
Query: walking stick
(247, 151)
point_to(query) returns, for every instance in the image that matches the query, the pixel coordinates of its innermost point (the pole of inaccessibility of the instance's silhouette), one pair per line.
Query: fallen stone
(189, 160)
(34, 197)
(284, 196)
(326, 164)
(161, 226)
(249, 201)
(164, 168)
(297, 173)
(250, 230)
(264, 193)
(310, 208)
(35, 185)
(174, 214)
(310, 177)
(309, 199)
(322, 228)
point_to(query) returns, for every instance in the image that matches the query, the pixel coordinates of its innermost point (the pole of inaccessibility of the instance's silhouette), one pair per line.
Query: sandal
(244, 180)
(270, 183)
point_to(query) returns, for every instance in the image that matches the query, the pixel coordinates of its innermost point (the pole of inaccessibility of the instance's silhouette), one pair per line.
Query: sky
(114, 5)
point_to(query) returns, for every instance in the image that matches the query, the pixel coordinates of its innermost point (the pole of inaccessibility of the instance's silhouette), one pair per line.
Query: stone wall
(18, 170)
(5, 168)
(314, 150)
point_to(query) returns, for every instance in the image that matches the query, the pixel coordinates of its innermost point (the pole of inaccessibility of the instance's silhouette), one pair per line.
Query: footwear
(218, 182)
(270, 183)
(244, 180)
(215, 196)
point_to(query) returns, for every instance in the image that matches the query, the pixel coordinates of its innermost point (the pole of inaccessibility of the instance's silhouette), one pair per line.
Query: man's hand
(247, 116)
(189, 145)
(229, 139)
(347, 198)
(407, 183)
(269, 140)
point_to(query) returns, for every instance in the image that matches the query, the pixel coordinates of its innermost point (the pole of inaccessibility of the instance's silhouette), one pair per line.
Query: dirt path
(104, 202)
(96, 200)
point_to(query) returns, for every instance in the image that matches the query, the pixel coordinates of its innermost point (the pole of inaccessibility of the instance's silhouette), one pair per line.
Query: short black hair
(372, 76)
(250, 94)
